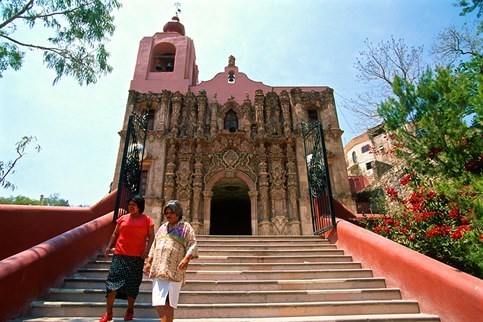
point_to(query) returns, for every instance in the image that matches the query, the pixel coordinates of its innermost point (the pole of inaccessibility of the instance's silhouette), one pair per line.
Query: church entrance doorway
(230, 208)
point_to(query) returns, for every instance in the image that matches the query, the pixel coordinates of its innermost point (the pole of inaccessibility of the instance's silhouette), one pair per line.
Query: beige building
(366, 157)
(230, 148)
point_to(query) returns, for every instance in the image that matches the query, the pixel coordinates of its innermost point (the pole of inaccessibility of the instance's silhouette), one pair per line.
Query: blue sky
(277, 42)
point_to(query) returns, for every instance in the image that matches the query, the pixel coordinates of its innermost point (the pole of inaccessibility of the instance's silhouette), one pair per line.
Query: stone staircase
(247, 278)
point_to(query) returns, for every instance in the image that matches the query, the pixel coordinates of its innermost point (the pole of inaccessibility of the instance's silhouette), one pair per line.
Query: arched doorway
(230, 208)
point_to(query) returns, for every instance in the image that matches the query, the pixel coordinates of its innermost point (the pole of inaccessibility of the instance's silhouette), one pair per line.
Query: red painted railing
(440, 289)
(30, 273)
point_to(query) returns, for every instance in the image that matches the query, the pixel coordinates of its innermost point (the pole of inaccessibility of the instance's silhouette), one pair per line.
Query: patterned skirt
(125, 276)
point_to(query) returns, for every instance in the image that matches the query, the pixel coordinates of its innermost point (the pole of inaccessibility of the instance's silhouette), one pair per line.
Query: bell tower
(166, 60)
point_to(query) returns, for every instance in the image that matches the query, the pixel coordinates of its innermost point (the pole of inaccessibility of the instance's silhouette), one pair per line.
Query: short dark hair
(139, 200)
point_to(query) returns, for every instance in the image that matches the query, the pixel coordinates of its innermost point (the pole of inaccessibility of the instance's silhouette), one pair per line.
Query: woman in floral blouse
(173, 247)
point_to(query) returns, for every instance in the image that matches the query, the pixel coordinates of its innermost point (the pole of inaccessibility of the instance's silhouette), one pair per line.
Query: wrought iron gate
(323, 217)
(132, 160)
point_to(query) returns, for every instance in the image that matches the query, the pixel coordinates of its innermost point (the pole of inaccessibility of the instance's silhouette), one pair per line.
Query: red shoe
(106, 317)
(129, 315)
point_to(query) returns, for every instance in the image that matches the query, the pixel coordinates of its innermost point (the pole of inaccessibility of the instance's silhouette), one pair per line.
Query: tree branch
(57, 13)
(58, 51)
(27, 7)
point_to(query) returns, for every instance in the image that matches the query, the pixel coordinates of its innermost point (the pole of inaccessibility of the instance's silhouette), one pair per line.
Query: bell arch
(208, 195)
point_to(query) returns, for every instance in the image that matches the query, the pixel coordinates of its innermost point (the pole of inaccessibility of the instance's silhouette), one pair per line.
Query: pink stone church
(230, 148)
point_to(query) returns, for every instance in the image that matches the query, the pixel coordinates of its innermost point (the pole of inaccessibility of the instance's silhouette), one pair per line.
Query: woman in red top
(126, 271)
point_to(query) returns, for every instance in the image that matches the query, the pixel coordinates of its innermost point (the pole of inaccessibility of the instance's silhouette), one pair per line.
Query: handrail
(33, 271)
(440, 289)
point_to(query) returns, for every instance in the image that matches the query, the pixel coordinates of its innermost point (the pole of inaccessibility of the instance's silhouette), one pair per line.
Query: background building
(367, 160)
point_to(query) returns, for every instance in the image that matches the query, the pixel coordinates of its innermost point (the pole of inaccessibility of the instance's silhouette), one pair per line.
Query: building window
(150, 120)
(354, 157)
(231, 121)
(368, 165)
(313, 116)
(365, 148)
(163, 58)
(231, 77)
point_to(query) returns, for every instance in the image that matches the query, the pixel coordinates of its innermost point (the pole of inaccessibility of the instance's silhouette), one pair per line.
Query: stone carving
(263, 149)
(231, 60)
(279, 225)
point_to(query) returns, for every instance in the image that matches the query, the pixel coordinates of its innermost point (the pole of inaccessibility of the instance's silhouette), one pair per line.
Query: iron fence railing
(321, 205)
(132, 160)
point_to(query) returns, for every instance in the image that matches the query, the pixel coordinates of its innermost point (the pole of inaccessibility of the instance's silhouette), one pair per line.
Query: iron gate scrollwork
(323, 217)
(132, 160)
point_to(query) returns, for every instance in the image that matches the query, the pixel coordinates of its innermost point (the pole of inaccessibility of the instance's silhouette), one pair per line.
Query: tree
(430, 122)
(381, 64)
(470, 6)
(454, 44)
(52, 200)
(8, 169)
(76, 46)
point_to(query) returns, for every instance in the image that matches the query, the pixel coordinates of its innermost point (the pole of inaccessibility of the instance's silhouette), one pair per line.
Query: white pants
(162, 288)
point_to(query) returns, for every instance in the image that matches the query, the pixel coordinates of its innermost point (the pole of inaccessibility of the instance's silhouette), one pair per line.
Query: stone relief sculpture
(263, 150)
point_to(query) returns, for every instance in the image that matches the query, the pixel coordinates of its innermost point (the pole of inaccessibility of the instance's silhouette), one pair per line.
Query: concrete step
(247, 279)
(273, 245)
(269, 253)
(263, 239)
(337, 318)
(252, 274)
(244, 285)
(246, 258)
(201, 265)
(232, 310)
(209, 297)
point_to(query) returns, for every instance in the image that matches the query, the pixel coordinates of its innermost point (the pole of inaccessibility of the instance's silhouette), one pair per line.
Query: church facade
(229, 149)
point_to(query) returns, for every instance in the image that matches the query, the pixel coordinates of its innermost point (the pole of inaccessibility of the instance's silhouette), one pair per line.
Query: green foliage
(430, 119)
(436, 127)
(471, 5)
(76, 48)
(8, 168)
(52, 200)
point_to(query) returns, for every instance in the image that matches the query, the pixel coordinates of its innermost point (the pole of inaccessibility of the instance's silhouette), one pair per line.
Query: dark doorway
(230, 208)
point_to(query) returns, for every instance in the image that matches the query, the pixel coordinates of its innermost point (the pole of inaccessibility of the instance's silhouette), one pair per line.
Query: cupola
(174, 26)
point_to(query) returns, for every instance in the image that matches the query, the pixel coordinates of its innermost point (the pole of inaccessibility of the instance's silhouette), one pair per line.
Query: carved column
(207, 196)
(163, 110)
(169, 185)
(285, 103)
(184, 180)
(254, 211)
(277, 191)
(263, 187)
(259, 117)
(176, 101)
(294, 222)
(197, 187)
(202, 100)
(214, 118)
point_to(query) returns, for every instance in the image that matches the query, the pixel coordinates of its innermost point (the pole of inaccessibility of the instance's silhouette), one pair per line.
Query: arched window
(231, 77)
(163, 58)
(231, 121)
(354, 157)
